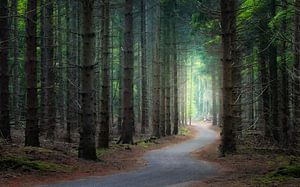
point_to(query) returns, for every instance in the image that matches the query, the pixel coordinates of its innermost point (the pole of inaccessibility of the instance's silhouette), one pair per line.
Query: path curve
(170, 166)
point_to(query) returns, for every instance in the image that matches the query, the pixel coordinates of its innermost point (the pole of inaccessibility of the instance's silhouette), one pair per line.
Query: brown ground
(118, 159)
(242, 170)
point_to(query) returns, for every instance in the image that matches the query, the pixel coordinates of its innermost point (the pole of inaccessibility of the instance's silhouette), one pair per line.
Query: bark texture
(156, 79)
(4, 75)
(87, 147)
(144, 97)
(32, 128)
(105, 91)
(228, 23)
(296, 83)
(128, 111)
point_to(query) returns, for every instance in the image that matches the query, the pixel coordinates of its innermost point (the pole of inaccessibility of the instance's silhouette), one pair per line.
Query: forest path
(170, 166)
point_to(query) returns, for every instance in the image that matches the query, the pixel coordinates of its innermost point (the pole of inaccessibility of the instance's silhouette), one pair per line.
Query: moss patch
(24, 164)
(145, 144)
(184, 131)
(282, 174)
(101, 152)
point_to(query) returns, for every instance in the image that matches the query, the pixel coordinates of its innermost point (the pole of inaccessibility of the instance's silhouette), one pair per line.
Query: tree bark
(50, 80)
(121, 61)
(144, 96)
(175, 75)
(162, 110)
(105, 91)
(214, 95)
(60, 60)
(4, 75)
(228, 24)
(128, 111)
(16, 77)
(264, 79)
(285, 85)
(167, 77)
(87, 147)
(296, 82)
(274, 82)
(156, 79)
(43, 73)
(32, 129)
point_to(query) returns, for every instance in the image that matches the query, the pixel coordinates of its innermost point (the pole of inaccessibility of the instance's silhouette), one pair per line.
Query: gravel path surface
(170, 166)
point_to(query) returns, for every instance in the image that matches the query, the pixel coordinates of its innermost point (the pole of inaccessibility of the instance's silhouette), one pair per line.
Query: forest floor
(27, 166)
(249, 169)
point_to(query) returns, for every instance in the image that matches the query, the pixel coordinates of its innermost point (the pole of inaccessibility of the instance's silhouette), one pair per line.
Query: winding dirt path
(170, 166)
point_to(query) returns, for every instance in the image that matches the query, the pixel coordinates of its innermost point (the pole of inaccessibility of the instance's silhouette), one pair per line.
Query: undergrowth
(24, 164)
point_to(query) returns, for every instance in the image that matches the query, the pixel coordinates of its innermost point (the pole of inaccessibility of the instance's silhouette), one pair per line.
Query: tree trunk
(105, 91)
(121, 60)
(32, 129)
(296, 83)
(167, 78)
(262, 63)
(274, 82)
(175, 75)
(128, 111)
(68, 75)
(185, 95)
(228, 24)
(214, 95)
(61, 76)
(163, 73)
(162, 110)
(156, 79)
(43, 73)
(4, 75)
(144, 96)
(16, 77)
(49, 61)
(191, 92)
(285, 111)
(87, 147)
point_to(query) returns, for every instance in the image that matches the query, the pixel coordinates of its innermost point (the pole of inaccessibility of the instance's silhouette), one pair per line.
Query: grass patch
(16, 163)
(145, 144)
(184, 131)
(282, 174)
(101, 152)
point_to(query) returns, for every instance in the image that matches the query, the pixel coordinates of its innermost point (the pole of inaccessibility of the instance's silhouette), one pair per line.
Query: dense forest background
(94, 72)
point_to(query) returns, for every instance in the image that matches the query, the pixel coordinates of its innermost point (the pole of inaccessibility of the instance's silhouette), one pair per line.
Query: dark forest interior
(92, 87)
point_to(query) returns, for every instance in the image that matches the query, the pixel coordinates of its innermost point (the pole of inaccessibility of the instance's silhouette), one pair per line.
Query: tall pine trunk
(263, 73)
(296, 83)
(32, 129)
(276, 133)
(285, 87)
(4, 75)
(214, 95)
(144, 96)
(128, 111)
(167, 78)
(87, 147)
(105, 91)
(43, 69)
(16, 78)
(72, 56)
(60, 60)
(50, 68)
(175, 73)
(156, 79)
(228, 24)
